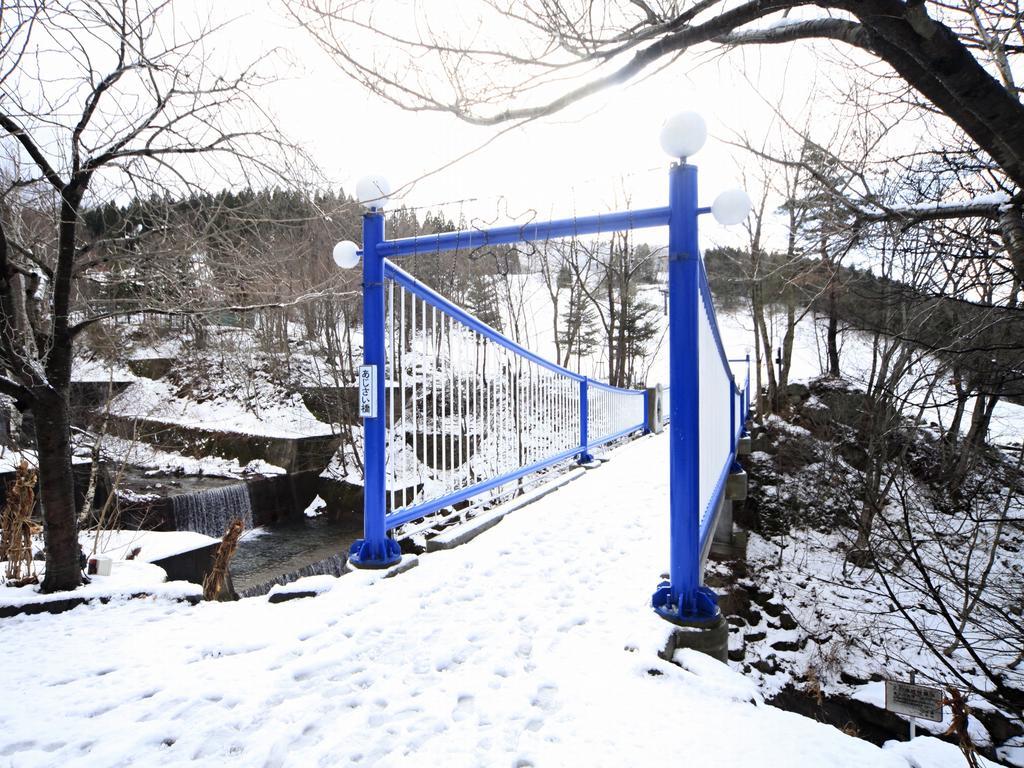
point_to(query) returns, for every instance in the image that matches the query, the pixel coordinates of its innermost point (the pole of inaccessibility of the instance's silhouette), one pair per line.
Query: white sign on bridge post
(368, 391)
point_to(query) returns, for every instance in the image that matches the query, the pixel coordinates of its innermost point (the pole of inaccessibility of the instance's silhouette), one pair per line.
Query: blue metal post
(375, 549)
(584, 457)
(647, 410)
(683, 599)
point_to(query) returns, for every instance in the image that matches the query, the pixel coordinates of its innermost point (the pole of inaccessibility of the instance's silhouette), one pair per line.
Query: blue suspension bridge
(440, 388)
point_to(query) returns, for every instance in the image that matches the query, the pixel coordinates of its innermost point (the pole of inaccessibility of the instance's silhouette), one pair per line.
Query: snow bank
(315, 584)
(157, 401)
(11, 459)
(85, 369)
(929, 752)
(152, 545)
(163, 461)
(127, 578)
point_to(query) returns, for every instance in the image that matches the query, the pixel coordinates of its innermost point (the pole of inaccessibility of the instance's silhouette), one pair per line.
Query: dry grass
(961, 714)
(17, 528)
(215, 586)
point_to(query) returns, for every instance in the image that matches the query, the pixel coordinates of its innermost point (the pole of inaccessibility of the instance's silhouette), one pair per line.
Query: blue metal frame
(375, 549)
(682, 599)
(546, 230)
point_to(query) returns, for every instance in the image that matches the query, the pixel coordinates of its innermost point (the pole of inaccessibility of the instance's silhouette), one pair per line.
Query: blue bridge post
(683, 600)
(375, 549)
(584, 456)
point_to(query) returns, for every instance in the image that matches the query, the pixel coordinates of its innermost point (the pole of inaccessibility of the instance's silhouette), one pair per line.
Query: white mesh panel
(715, 403)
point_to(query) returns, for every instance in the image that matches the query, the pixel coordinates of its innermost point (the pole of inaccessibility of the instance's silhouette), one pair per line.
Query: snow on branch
(987, 206)
(304, 299)
(787, 30)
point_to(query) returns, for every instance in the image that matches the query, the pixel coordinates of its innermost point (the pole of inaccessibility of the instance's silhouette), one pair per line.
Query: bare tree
(97, 99)
(958, 56)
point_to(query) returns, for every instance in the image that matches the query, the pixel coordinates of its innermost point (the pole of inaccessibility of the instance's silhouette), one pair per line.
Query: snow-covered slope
(534, 645)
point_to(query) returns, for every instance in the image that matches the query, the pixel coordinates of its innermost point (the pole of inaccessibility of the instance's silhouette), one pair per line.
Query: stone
(851, 679)
(797, 391)
(787, 646)
(767, 666)
(711, 638)
(736, 486)
(786, 621)
(816, 414)
(284, 597)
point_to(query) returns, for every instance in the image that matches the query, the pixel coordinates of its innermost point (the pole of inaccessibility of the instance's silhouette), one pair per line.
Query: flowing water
(329, 566)
(210, 512)
(288, 551)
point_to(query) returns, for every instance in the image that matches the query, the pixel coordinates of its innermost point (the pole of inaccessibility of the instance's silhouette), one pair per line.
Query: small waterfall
(329, 566)
(210, 512)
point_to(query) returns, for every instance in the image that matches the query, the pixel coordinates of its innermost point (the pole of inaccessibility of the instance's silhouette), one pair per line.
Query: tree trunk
(1011, 225)
(832, 335)
(951, 439)
(787, 348)
(761, 327)
(57, 491)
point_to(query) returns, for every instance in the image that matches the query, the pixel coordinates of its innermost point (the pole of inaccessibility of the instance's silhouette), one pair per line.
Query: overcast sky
(585, 159)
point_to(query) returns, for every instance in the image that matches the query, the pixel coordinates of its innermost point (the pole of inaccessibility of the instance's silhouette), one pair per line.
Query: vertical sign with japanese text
(368, 391)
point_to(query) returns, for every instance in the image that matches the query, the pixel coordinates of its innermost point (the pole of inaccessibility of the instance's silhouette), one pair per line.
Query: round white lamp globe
(373, 192)
(731, 207)
(346, 254)
(683, 134)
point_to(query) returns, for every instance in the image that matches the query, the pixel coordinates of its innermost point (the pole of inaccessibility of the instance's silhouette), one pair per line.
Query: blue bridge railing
(469, 410)
(452, 409)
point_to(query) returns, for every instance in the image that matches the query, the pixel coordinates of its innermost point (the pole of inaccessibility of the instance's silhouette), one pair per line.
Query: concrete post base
(711, 638)
(654, 410)
(733, 549)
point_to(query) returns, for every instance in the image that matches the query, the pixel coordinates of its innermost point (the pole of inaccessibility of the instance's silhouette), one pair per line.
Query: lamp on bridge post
(376, 549)
(683, 599)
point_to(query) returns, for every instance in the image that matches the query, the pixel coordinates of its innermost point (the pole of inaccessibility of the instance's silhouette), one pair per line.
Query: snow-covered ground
(127, 578)
(157, 401)
(162, 461)
(534, 645)
(11, 459)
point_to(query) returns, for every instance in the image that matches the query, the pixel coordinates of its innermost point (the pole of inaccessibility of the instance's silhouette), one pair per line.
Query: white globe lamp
(373, 192)
(731, 207)
(683, 134)
(346, 254)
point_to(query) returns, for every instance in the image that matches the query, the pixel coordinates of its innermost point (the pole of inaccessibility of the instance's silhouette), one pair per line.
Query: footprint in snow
(463, 708)
(546, 698)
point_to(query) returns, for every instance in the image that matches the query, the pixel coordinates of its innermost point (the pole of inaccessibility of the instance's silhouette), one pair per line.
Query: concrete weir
(291, 453)
(211, 512)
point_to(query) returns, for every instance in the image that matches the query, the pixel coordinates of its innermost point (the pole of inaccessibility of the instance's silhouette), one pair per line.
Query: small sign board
(368, 391)
(921, 701)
